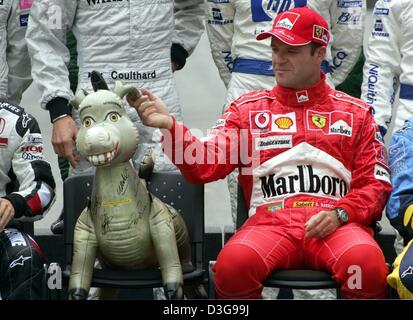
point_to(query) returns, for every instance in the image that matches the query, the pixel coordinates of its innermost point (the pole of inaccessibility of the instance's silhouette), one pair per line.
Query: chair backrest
(170, 187)
(77, 190)
(188, 200)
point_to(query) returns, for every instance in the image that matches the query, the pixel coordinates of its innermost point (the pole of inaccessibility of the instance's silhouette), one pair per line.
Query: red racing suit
(299, 152)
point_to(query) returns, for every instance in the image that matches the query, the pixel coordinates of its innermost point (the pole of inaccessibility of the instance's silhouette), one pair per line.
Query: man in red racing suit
(312, 167)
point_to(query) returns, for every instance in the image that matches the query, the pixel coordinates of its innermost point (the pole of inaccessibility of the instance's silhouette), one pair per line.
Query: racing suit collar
(302, 97)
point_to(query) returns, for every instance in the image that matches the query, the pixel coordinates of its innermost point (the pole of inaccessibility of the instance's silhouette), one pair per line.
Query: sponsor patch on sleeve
(381, 173)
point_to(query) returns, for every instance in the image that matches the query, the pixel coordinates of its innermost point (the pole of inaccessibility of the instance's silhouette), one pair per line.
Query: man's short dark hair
(314, 47)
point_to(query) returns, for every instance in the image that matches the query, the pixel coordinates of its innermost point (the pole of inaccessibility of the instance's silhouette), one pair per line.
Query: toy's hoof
(173, 291)
(78, 294)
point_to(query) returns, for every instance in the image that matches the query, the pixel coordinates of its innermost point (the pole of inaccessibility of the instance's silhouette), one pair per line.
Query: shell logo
(284, 122)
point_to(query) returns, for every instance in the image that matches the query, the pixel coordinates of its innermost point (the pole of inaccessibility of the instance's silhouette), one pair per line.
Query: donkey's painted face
(107, 135)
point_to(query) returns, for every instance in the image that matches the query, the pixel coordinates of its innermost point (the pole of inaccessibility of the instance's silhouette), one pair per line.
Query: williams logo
(217, 18)
(266, 10)
(306, 181)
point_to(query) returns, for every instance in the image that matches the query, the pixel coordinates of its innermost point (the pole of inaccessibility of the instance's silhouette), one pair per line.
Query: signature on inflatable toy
(129, 228)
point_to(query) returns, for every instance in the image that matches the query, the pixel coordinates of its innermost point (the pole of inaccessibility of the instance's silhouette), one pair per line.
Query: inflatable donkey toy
(130, 228)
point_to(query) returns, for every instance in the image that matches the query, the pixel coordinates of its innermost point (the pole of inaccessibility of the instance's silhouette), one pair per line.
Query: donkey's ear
(78, 98)
(98, 82)
(122, 90)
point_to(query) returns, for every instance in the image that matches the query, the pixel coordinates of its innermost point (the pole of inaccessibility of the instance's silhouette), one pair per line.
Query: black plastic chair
(301, 279)
(172, 189)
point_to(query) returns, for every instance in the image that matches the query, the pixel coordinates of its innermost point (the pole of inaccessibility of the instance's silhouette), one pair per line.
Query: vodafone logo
(262, 120)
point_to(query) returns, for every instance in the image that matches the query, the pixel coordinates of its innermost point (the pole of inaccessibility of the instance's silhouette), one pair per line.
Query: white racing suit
(244, 63)
(14, 59)
(26, 181)
(129, 41)
(388, 71)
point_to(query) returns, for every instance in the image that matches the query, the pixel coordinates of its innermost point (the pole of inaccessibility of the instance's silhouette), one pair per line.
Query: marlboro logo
(302, 96)
(287, 20)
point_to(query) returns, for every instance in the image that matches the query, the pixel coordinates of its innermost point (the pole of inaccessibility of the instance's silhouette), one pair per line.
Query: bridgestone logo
(274, 142)
(303, 182)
